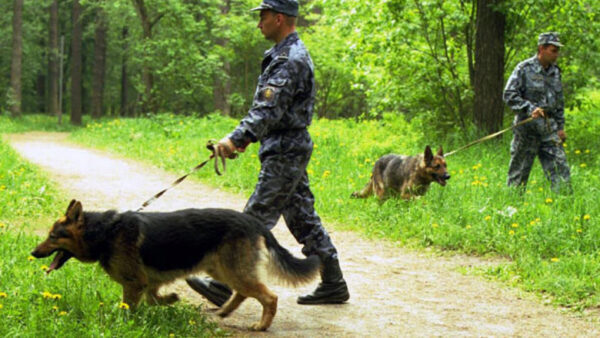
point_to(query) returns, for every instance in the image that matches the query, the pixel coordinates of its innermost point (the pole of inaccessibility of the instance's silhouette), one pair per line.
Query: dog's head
(65, 238)
(435, 166)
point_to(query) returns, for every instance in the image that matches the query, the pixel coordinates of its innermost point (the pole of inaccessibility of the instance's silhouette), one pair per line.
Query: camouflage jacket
(284, 97)
(530, 86)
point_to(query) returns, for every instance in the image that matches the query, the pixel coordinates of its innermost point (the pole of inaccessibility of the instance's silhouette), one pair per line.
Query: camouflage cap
(287, 7)
(550, 38)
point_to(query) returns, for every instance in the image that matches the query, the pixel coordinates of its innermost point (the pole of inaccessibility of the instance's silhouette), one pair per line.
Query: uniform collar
(276, 50)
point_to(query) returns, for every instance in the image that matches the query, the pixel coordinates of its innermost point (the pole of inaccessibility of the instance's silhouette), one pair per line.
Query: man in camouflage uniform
(534, 89)
(281, 111)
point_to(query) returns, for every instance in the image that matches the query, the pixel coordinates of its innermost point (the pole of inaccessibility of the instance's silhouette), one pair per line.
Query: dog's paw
(221, 313)
(258, 326)
(171, 298)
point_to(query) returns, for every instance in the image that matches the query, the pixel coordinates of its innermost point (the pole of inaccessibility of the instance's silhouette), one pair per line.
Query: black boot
(332, 289)
(216, 292)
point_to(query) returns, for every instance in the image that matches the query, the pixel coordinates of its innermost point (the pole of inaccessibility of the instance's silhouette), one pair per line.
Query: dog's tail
(288, 268)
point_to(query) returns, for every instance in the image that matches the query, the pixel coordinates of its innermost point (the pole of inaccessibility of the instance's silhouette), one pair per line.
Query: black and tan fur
(143, 251)
(407, 176)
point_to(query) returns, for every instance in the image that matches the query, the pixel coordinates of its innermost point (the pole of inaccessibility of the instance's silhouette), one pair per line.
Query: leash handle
(527, 120)
(216, 154)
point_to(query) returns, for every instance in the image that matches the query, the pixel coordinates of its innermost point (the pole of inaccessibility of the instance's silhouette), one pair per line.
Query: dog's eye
(52, 236)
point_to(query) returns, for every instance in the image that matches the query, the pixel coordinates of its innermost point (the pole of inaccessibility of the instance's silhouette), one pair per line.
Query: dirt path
(394, 292)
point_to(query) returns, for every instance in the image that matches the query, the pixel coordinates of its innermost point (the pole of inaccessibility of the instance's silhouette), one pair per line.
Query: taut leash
(216, 154)
(527, 120)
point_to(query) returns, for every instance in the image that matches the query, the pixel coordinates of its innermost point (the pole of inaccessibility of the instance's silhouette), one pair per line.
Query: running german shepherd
(406, 176)
(144, 250)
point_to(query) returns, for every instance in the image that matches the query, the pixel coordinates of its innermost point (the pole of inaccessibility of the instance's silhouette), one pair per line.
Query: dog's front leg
(232, 304)
(132, 293)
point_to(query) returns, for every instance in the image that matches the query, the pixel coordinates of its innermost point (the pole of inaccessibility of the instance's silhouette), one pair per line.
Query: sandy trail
(394, 291)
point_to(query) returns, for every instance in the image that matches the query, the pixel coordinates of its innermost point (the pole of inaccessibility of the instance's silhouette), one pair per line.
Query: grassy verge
(80, 300)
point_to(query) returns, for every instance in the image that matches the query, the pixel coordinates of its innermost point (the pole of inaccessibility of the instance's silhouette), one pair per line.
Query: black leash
(216, 154)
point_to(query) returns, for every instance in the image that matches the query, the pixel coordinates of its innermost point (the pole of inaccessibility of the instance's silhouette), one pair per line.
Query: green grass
(78, 300)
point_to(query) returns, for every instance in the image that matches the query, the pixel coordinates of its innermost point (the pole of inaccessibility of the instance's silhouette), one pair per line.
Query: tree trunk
(222, 82)
(99, 64)
(489, 66)
(125, 111)
(147, 76)
(76, 65)
(53, 60)
(17, 59)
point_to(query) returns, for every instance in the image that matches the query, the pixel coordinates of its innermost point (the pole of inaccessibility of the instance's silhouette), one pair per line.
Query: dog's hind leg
(153, 298)
(232, 304)
(269, 302)
(365, 192)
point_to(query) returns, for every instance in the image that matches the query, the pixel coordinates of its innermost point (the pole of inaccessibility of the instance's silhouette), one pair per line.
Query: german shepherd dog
(144, 250)
(407, 176)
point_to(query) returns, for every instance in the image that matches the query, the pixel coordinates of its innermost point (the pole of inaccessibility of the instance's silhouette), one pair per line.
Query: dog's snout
(447, 176)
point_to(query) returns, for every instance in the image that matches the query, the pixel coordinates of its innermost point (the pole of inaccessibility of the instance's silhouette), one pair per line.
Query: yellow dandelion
(171, 335)
(315, 146)
(124, 306)
(30, 258)
(55, 308)
(44, 267)
(310, 172)
(515, 225)
(525, 203)
(253, 156)
(587, 151)
(487, 218)
(538, 219)
(367, 160)
(548, 200)
(101, 304)
(326, 173)
(468, 226)
(461, 171)
(565, 144)
(512, 232)
(1, 306)
(583, 165)
(540, 189)
(62, 313)
(3, 295)
(192, 322)
(577, 218)
(586, 217)
(56, 296)
(555, 259)
(577, 151)
(2, 225)
(579, 231)
(532, 223)
(46, 294)
(2, 187)
(435, 225)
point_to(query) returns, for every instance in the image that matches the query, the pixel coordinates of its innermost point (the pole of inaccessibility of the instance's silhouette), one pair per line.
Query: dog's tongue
(58, 261)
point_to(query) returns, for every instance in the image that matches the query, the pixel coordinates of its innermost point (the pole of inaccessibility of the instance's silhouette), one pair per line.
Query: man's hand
(562, 135)
(226, 148)
(538, 112)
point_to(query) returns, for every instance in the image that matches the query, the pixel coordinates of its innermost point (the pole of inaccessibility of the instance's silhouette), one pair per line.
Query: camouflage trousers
(283, 189)
(523, 150)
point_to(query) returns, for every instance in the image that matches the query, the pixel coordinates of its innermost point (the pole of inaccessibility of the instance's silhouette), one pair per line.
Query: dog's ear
(428, 155)
(75, 211)
(70, 206)
(440, 152)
